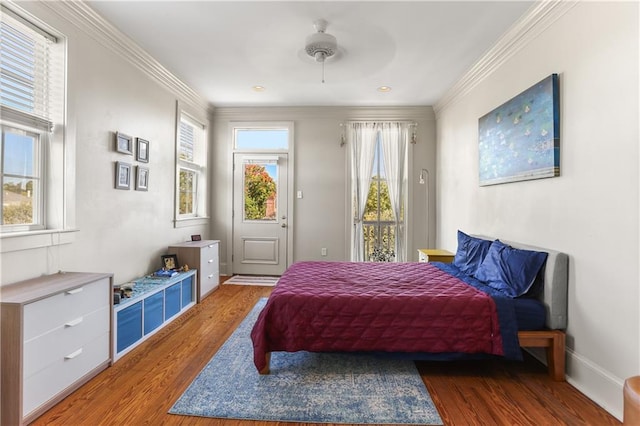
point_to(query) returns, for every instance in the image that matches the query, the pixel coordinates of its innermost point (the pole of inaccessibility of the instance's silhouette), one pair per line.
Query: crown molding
(95, 26)
(327, 112)
(537, 19)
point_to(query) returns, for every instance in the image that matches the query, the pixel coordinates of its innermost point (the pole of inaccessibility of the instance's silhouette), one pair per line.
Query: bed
(423, 310)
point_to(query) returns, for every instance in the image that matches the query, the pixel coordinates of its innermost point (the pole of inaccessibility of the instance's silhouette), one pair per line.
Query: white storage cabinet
(55, 337)
(203, 256)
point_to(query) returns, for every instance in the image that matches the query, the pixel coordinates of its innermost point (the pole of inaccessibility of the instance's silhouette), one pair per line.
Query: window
(191, 168)
(260, 189)
(378, 166)
(258, 139)
(261, 173)
(379, 221)
(31, 103)
(21, 179)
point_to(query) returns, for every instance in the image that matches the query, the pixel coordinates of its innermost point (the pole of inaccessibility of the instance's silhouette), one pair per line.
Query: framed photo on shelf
(196, 237)
(142, 152)
(170, 261)
(142, 178)
(124, 143)
(123, 175)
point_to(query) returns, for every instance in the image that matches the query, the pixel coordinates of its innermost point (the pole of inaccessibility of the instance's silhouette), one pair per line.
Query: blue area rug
(306, 387)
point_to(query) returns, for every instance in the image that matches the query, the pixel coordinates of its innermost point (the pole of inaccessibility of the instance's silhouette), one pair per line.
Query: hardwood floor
(142, 386)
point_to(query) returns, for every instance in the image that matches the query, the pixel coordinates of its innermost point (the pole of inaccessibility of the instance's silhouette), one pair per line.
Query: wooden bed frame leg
(556, 357)
(267, 359)
(554, 343)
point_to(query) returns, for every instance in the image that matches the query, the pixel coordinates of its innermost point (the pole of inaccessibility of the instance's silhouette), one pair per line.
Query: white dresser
(203, 256)
(56, 335)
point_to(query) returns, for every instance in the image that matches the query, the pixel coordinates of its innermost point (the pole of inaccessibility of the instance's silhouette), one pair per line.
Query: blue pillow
(512, 271)
(470, 253)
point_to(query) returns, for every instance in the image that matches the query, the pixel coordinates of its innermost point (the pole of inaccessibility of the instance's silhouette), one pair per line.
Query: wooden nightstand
(435, 255)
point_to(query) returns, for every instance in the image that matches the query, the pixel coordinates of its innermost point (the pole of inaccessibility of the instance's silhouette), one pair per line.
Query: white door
(260, 223)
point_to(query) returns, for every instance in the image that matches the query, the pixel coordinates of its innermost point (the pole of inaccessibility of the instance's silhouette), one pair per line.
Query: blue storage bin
(129, 326)
(172, 300)
(153, 312)
(187, 291)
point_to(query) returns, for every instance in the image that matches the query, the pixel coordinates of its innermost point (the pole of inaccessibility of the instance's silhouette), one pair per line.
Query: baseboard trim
(602, 387)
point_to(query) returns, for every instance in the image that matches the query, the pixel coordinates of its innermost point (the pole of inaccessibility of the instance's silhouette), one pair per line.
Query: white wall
(591, 210)
(123, 232)
(320, 217)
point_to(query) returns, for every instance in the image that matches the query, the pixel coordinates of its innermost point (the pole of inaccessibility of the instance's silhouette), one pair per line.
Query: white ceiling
(221, 49)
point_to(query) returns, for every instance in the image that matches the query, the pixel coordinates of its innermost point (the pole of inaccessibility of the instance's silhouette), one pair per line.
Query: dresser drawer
(46, 349)
(209, 269)
(67, 369)
(209, 259)
(55, 311)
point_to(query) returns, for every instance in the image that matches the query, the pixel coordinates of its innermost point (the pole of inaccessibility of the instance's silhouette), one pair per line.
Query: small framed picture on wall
(124, 143)
(142, 178)
(142, 153)
(123, 175)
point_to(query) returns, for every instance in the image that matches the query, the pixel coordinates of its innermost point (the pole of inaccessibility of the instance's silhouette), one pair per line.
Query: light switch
(299, 194)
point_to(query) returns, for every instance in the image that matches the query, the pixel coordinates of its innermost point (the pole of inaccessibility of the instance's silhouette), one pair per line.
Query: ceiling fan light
(322, 43)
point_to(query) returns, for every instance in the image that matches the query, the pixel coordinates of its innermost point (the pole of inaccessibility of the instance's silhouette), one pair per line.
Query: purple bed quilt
(385, 307)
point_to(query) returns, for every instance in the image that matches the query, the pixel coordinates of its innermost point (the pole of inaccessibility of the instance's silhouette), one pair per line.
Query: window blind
(25, 73)
(190, 139)
(187, 139)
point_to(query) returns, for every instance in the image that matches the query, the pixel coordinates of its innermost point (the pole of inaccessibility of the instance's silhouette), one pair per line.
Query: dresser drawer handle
(75, 290)
(210, 261)
(74, 322)
(210, 276)
(210, 245)
(73, 354)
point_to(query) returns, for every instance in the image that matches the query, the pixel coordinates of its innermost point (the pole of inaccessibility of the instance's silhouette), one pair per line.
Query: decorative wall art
(520, 140)
(142, 178)
(124, 171)
(123, 175)
(142, 152)
(124, 143)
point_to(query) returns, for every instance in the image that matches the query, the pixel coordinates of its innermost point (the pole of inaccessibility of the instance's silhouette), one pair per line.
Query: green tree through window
(379, 228)
(259, 188)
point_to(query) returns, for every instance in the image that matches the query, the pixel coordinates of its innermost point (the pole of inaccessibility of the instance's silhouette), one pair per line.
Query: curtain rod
(414, 135)
(410, 122)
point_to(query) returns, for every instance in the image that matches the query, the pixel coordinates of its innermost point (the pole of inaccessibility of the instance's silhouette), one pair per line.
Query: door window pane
(260, 191)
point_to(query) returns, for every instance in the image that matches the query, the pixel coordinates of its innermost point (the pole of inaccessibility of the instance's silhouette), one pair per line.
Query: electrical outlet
(323, 251)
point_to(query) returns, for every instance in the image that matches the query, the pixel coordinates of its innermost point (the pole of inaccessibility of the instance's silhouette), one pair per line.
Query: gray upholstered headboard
(556, 280)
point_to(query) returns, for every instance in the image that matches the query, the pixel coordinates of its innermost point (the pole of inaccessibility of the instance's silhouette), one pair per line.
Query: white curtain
(394, 139)
(361, 138)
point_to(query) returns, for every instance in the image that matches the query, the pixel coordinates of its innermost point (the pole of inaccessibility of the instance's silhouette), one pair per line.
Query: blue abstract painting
(520, 140)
